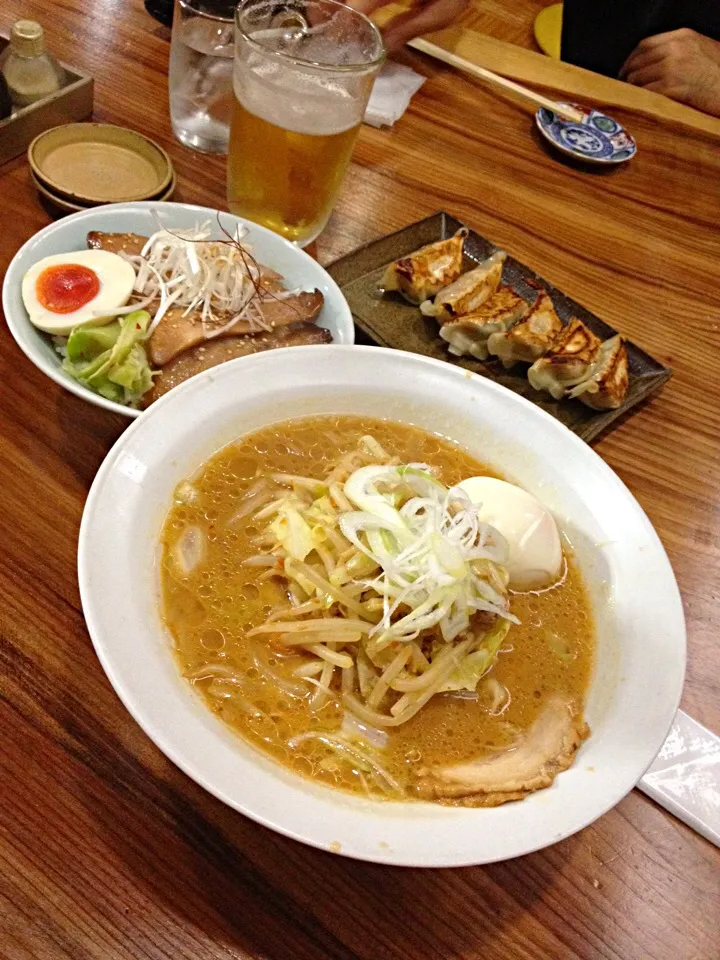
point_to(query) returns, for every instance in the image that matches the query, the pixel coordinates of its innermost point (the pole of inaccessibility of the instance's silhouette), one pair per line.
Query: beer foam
(299, 98)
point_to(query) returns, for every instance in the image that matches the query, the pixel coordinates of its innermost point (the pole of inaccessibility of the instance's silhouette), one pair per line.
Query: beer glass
(302, 77)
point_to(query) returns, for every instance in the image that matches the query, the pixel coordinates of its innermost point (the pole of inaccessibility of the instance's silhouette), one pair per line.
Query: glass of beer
(303, 73)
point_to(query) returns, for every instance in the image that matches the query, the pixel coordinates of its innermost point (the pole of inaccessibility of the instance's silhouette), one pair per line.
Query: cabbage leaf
(292, 531)
(111, 360)
(474, 666)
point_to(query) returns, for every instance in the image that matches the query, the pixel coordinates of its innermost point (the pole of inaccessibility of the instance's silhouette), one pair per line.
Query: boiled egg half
(71, 290)
(535, 553)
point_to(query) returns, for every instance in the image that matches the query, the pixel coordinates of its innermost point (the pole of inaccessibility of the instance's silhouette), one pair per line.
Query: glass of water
(200, 81)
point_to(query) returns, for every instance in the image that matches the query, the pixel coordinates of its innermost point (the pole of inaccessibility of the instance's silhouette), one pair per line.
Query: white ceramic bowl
(70, 234)
(641, 638)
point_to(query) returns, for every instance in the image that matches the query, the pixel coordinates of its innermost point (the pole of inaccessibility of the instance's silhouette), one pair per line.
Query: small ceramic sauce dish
(598, 139)
(87, 164)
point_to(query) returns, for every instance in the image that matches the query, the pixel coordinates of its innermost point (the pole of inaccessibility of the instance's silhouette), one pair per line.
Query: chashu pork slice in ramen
(568, 361)
(469, 335)
(530, 338)
(179, 330)
(607, 384)
(210, 354)
(428, 270)
(468, 292)
(130, 244)
(546, 749)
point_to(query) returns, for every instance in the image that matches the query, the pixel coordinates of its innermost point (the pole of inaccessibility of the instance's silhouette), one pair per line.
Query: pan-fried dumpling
(567, 362)
(606, 386)
(428, 270)
(530, 337)
(468, 292)
(468, 335)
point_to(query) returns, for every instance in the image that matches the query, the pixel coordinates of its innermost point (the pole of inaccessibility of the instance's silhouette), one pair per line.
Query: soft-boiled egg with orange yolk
(535, 553)
(71, 290)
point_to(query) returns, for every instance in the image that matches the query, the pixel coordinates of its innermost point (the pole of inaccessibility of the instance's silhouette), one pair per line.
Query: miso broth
(251, 684)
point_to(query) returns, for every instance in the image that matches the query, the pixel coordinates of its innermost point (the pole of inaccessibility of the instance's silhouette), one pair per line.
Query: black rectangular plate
(389, 321)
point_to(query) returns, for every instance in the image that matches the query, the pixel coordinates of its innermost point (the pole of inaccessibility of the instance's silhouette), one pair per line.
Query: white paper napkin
(391, 95)
(685, 777)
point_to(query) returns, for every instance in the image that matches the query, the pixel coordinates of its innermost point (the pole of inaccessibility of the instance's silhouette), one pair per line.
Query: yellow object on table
(548, 30)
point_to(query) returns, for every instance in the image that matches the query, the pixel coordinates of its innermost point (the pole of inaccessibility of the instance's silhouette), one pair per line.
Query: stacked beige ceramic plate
(81, 165)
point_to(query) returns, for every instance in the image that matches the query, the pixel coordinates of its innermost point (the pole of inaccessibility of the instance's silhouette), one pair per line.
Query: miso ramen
(339, 596)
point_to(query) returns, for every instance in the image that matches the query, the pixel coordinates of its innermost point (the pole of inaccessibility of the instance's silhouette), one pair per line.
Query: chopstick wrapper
(394, 87)
(685, 776)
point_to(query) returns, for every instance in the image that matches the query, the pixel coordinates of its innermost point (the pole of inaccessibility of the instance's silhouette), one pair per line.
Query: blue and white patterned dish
(598, 139)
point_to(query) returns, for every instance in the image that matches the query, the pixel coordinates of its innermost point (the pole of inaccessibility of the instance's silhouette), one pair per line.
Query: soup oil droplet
(212, 639)
(250, 591)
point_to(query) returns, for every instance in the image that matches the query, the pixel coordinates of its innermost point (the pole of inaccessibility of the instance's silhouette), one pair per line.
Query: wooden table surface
(107, 850)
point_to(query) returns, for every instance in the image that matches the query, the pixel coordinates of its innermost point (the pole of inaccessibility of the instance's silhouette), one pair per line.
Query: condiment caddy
(43, 92)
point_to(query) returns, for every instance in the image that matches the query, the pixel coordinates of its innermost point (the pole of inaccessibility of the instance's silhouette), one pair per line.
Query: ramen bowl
(142, 217)
(639, 665)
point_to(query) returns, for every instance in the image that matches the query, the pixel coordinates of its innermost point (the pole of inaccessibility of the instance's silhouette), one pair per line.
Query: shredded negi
(396, 590)
(220, 279)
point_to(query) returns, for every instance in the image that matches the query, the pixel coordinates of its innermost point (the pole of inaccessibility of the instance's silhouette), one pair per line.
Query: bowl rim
(54, 370)
(140, 712)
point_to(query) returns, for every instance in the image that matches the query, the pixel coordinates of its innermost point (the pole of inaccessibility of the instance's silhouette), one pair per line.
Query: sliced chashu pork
(547, 748)
(214, 352)
(132, 244)
(176, 332)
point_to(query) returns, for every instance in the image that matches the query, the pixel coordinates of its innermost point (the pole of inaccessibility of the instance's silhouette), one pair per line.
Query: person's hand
(682, 64)
(424, 17)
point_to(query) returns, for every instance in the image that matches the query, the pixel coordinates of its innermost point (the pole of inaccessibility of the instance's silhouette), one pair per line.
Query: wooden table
(108, 851)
